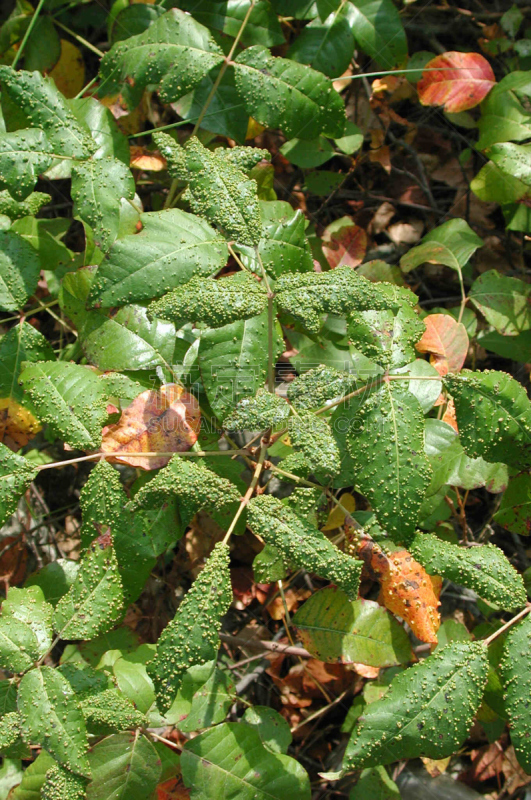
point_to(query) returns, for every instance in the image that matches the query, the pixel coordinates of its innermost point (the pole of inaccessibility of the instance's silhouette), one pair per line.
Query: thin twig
(29, 29)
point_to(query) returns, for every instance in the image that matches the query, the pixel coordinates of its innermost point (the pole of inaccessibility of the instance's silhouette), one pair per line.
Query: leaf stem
(86, 88)
(29, 29)
(80, 39)
(254, 481)
(153, 454)
(509, 624)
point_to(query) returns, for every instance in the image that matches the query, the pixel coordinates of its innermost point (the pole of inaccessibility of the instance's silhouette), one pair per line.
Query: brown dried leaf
(143, 158)
(344, 243)
(166, 421)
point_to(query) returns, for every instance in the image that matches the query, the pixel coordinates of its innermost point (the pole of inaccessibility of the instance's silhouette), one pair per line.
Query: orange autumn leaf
(456, 81)
(142, 158)
(344, 243)
(449, 415)
(165, 421)
(406, 588)
(172, 789)
(446, 340)
(17, 424)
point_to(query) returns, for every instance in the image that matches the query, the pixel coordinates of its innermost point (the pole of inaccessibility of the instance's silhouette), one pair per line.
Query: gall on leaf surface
(446, 340)
(427, 710)
(406, 588)
(344, 243)
(167, 420)
(515, 672)
(333, 628)
(459, 81)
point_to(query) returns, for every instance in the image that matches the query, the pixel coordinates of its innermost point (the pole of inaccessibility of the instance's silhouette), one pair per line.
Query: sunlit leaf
(446, 340)
(458, 81)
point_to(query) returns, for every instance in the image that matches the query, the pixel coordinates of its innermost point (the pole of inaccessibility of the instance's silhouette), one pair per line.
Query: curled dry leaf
(406, 588)
(456, 81)
(17, 424)
(166, 421)
(142, 158)
(446, 340)
(344, 243)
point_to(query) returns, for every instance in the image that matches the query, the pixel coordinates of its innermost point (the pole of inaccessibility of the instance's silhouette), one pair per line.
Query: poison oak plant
(174, 320)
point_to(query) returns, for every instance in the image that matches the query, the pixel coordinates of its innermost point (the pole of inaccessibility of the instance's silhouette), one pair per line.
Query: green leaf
(233, 361)
(97, 189)
(21, 343)
(171, 248)
(504, 302)
(386, 443)
(124, 766)
(484, 569)
(11, 743)
(503, 117)
(265, 410)
(70, 398)
(338, 291)
(109, 711)
(44, 235)
(451, 465)
(217, 187)
(326, 46)
(43, 48)
(516, 348)
(262, 25)
(175, 52)
(84, 679)
(127, 339)
(384, 337)
(301, 544)
(94, 603)
(193, 484)
(132, 678)
(51, 718)
(55, 579)
(308, 154)
(312, 436)
(335, 629)
(39, 101)
(33, 778)
(11, 775)
(426, 392)
(493, 415)
(272, 728)
(512, 159)
(60, 784)
(268, 566)
(452, 244)
(110, 141)
(376, 784)
(280, 93)
(493, 185)
(210, 703)
(427, 710)
(283, 246)
(515, 671)
(192, 636)
(16, 474)
(320, 385)
(514, 512)
(8, 697)
(230, 760)
(226, 113)
(31, 205)
(378, 31)
(214, 303)
(29, 606)
(23, 156)
(19, 271)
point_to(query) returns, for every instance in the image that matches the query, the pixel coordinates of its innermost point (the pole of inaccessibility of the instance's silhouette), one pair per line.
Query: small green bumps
(494, 416)
(301, 544)
(60, 784)
(340, 291)
(213, 302)
(194, 485)
(11, 744)
(264, 410)
(16, 474)
(217, 189)
(427, 710)
(313, 437)
(102, 500)
(515, 672)
(318, 386)
(385, 337)
(110, 711)
(26, 208)
(192, 636)
(484, 569)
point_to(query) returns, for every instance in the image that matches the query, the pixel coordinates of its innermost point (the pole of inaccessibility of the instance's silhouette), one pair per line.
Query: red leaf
(344, 243)
(459, 81)
(447, 342)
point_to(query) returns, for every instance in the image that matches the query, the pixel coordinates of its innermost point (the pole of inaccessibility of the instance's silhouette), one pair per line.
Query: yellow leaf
(253, 128)
(69, 72)
(336, 518)
(17, 424)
